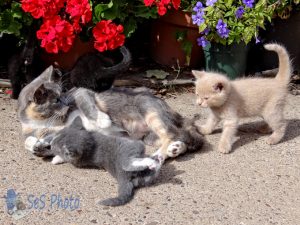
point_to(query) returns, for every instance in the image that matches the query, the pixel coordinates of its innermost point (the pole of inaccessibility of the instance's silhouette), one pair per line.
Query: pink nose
(199, 102)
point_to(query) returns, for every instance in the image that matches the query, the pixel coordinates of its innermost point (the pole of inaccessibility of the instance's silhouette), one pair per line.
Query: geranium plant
(228, 21)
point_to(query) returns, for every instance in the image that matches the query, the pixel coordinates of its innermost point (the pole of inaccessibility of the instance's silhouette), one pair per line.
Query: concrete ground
(255, 184)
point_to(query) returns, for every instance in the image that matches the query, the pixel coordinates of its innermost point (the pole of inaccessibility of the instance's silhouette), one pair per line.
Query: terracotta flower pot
(165, 49)
(66, 60)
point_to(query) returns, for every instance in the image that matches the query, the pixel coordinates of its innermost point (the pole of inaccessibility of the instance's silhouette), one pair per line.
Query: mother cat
(44, 109)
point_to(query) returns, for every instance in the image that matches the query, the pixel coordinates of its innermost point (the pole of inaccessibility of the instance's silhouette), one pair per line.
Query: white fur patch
(103, 120)
(30, 142)
(151, 163)
(57, 160)
(176, 148)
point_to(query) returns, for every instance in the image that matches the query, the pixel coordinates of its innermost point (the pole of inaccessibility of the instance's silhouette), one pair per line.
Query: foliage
(13, 19)
(283, 8)
(228, 21)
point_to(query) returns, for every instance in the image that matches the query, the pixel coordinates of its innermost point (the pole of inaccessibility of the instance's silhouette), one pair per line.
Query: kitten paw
(159, 155)
(204, 130)
(224, 147)
(272, 141)
(176, 148)
(57, 160)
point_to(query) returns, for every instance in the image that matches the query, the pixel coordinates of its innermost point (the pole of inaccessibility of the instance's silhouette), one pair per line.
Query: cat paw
(57, 160)
(103, 120)
(272, 140)
(176, 148)
(30, 143)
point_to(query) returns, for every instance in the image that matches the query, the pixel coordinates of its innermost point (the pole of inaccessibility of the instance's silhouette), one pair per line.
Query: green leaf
(202, 27)
(130, 26)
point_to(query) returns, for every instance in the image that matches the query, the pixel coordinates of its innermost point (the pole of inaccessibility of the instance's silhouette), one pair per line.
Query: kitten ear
(198, 74)
(55, 76)
(77, 123)
(40, 95)
(218, 87)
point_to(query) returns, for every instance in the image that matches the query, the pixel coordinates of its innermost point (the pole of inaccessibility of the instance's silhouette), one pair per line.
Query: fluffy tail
(285, 68)
(126, 192)
(123, 65)
(191, 136)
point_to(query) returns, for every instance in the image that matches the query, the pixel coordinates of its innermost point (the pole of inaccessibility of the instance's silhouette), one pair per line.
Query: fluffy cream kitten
(231, 100)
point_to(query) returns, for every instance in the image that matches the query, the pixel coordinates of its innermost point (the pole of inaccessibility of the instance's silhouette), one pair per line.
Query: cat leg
(228, 135)
(210, 124)
(176, 148)
(125, 193)
(85, 101)
(278, 124)
(57, 160)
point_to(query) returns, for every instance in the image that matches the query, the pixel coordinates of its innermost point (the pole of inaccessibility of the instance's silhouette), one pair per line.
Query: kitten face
(71, 142)
(212, 89)
(47, 101)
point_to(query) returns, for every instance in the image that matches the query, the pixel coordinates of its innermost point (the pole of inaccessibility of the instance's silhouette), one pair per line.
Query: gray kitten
(123, 158)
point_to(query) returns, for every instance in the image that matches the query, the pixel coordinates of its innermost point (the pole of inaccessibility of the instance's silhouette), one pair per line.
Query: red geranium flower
(108, 35)
(162, 5)
(80, 12)
(56, 34)
(42, 8)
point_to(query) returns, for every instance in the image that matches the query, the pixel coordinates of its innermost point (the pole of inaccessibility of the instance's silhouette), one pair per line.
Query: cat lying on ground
(44, 109)
(249, 97)
(123, 158)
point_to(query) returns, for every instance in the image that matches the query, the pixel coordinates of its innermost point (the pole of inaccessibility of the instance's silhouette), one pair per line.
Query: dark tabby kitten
(96, 71)
(123, 158)
(23, 67)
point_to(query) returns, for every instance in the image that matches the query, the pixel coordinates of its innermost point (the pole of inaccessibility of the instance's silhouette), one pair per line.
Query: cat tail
(121, 66)
(285, 68)
(126, 192)
(190, 135)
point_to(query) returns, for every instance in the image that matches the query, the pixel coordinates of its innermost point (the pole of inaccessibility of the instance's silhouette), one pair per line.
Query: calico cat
(137, 112)
(249, 97)
(43, 110)
(123, 158)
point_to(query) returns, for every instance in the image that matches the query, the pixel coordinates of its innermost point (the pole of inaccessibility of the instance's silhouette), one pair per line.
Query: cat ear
(55, 76)
(40, 95)
(198, 74)
(77, 123)
(218, 87)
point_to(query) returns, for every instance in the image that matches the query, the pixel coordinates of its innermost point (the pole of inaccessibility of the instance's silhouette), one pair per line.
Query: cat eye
(205, 98)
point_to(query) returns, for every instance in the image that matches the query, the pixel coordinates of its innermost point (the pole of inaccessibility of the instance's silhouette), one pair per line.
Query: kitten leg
(125, 190)
(278, 125)
(210, 124)
(39, 147)
(139, 164)
(228, 135)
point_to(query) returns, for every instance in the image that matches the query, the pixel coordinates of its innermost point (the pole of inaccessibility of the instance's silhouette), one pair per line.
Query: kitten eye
(205, 98)
(57, 100)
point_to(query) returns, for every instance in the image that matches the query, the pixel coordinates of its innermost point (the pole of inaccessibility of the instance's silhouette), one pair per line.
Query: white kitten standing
(231, 100)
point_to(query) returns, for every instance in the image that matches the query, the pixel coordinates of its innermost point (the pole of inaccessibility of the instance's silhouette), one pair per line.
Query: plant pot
(66, 60)
(166, 50)
(230, 60)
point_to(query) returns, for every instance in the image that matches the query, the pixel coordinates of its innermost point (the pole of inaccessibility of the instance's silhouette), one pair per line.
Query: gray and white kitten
(123, 158)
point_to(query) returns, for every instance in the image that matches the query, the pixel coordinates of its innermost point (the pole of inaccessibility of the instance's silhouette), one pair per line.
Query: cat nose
(199, 102)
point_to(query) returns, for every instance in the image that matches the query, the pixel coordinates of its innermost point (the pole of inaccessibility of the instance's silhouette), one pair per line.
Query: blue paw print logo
(11, 200)
(15, 207)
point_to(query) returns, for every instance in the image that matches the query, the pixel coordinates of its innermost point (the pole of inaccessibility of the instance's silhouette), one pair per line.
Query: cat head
(212, 89)
(42, 98)
(73, 142)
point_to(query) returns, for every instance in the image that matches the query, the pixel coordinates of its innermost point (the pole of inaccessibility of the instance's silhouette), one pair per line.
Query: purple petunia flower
(239, 12)
(222, 29)
(257, 40)
(198, 7)
(206, 31)
(210, 2)
(201, 41)
(198, 18)
(248, 3)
